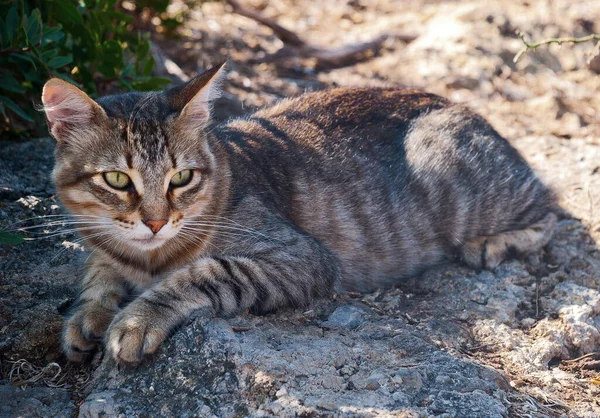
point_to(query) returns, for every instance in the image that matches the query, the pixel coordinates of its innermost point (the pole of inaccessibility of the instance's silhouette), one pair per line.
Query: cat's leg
(285, 272)
(98, 302)
(489, 251)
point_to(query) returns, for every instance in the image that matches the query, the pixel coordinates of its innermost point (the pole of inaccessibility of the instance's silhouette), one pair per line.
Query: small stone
(281, 392)
(528, 322)
(594, 64)
(346, 317)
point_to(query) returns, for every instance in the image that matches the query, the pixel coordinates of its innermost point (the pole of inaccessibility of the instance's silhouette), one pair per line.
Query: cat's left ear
(193, 99)
(69, 111)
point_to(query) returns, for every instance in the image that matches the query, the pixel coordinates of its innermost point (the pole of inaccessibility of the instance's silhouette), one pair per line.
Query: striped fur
(351, 189)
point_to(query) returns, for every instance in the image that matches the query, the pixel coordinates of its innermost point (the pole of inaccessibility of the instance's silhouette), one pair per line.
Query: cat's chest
(141, 279)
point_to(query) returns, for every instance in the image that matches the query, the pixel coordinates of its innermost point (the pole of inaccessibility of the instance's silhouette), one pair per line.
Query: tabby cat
(346, 189)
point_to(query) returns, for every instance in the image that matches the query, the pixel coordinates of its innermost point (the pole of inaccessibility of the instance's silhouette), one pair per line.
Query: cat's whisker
(220, 228)
(95, 248)
(188, 231)
(227, 222)
(232, 236)
(60, 233)
(66, 216)
(52, 225)
(76, 242)
(191, 239)
(208, 232)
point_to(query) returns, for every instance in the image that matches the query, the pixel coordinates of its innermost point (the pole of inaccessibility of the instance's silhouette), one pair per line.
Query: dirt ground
(535, 321)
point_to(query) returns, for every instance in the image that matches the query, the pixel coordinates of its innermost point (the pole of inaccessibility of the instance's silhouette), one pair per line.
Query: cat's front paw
(136, 332)
(84, 330)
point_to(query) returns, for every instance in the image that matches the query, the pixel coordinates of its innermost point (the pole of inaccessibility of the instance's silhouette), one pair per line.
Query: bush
(91, 44)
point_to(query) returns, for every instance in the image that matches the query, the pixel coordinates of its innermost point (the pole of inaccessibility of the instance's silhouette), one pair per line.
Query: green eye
(181, 178)
(117, 179)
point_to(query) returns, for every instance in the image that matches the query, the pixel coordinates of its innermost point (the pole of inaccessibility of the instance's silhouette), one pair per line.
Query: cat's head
(133, 168)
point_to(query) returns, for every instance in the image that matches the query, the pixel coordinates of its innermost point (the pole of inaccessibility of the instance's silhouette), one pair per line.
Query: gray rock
(35, 402)
(350, 317)
(474, 404)
(192, 375)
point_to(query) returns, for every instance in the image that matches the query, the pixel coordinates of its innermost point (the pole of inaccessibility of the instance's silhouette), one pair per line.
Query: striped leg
(98, 302)
(290, 275)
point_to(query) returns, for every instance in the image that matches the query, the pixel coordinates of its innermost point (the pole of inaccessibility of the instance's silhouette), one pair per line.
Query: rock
(192, 375)
(349, 317)
(594, 64)
(475, 404)
(35, 402)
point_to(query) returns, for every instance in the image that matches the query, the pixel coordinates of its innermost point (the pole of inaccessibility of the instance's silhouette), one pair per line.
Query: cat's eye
(117, 179)
(181, 178)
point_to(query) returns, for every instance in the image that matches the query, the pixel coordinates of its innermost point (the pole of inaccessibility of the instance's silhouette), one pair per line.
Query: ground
(521, 340)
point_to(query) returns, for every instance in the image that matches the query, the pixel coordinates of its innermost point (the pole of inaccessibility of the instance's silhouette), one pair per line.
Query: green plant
(6, 238)
(90, 43)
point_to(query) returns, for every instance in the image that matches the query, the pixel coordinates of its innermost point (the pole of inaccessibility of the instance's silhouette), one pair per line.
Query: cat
(349, 189)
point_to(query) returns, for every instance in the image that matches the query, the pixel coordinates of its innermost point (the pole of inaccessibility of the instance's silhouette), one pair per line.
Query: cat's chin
(147, 244)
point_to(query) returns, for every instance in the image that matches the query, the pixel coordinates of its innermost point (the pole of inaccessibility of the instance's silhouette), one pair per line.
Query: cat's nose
(155, 226)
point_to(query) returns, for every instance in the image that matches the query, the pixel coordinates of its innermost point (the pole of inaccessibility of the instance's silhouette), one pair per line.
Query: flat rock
(35, 402)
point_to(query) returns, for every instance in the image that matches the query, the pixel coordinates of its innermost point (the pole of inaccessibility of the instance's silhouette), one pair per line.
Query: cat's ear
(68, 109)
(193, 99)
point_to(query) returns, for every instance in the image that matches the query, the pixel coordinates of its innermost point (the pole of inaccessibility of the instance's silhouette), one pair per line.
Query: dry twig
(296, 46)
(559, 41)
(23, 373)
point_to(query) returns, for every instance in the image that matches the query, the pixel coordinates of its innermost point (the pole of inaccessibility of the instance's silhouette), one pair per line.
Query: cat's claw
(134, 335)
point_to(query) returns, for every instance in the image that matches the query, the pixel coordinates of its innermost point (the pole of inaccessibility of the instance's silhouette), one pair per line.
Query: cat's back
(318, 118)
(341, 106)
(403, 173)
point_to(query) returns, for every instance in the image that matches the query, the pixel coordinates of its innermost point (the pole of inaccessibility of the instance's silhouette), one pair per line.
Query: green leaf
(143, 49)
(111, 58)
(154, 83)
(50, 30)
(24, 27)
(49, 54)
(26, 57)
(3, 37)
(58, 62)
(12, 24)
(34, 24)
(148, 66)
(9, 83)
(67, 78)
(31, 77)
(126, 84)
(6, 238)
(3, 111)
(127, 70)
(53, 37)
(16, 109)
(68, 13)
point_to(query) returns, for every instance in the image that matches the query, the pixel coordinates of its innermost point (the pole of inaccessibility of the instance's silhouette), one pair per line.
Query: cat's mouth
(149, 243)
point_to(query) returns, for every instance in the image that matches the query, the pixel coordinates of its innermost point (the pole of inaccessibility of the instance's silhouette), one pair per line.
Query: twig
(586, 356)
(559, 41)
(286, 36)
(295, 45)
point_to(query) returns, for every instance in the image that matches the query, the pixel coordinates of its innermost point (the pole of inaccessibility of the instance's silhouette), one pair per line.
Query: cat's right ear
(193, 99)
(69, 110)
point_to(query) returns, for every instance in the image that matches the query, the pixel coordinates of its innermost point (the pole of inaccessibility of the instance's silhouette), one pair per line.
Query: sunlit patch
(73, 246)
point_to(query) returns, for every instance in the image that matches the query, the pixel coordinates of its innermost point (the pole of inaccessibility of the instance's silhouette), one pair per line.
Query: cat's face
(134, 169)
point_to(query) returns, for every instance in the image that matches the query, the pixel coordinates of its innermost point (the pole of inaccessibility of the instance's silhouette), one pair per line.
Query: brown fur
(348, 188)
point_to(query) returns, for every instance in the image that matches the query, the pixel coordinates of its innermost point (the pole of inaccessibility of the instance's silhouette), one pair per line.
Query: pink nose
(155, 226)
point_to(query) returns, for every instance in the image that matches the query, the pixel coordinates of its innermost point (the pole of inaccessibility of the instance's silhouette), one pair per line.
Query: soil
(530, 330)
